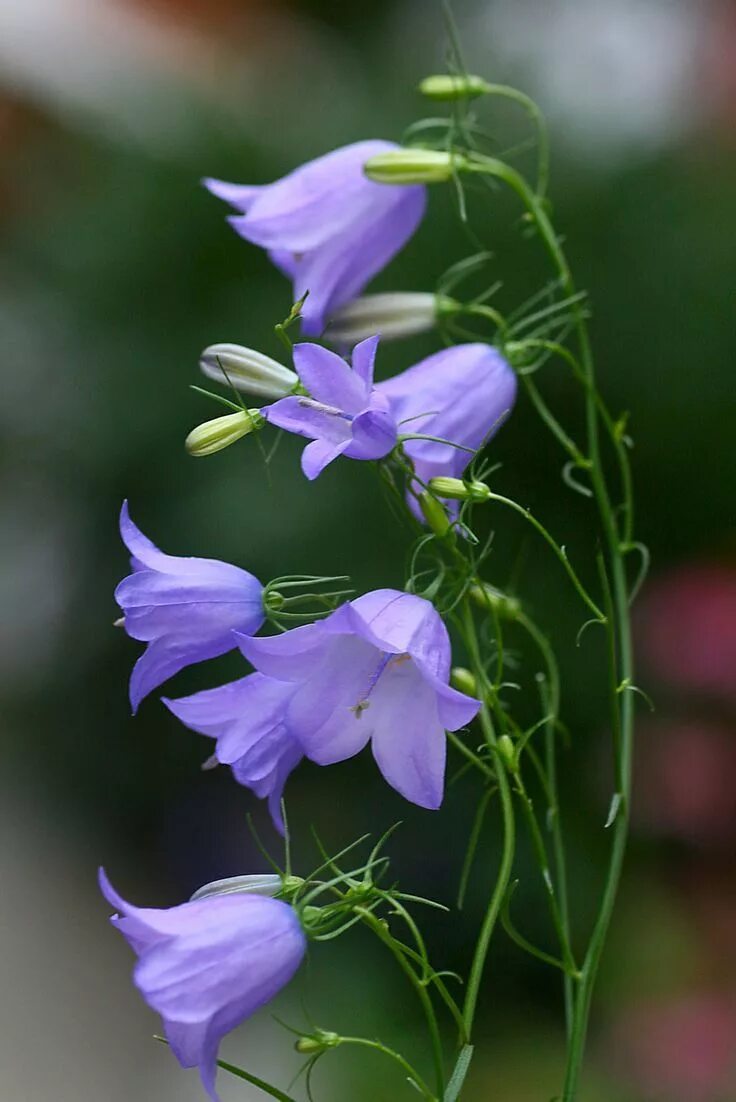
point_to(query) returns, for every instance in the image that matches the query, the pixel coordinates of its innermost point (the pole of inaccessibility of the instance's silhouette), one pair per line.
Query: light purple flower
(326, 225)
(246, 717)
(185, 609)
(206, 966)
(462, 394)
(376, 669)
(343, 414)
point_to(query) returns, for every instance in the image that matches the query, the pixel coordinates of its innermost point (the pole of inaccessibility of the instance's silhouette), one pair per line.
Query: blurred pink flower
(679, 1051)
(685, 780)
(687, 629)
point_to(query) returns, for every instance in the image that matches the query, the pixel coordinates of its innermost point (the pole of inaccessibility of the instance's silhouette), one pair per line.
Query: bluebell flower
(342, 413)
(185, 609)
(461, 394)
(326, 225)
(376, 670)
(247, 718)
(207, 965)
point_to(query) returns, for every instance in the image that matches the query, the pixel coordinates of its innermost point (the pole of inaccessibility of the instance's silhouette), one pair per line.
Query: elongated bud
(392, 315)
(247, 370)
(507, 752)
(435, 515)
(413, 166)
(464, 681)
(252, 884)
(443, 86)
(221, 432)
(458, 490)
(485, 596)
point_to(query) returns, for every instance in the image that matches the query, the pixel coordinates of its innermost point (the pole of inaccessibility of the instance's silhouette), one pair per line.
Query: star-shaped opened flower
(377, 669)
(326, 225)
(185, 609)
(342, 412)
(207, 965)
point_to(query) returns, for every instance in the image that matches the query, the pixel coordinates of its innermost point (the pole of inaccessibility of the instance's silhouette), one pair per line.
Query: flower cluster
(375, 669)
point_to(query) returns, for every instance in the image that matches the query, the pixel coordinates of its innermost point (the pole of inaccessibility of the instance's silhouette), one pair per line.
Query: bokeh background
(116, 268)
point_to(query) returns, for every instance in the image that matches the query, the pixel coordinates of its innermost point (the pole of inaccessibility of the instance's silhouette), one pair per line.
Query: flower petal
(409, 742)
(328, 378)
(317, 455)
(307, 418)
(315, 202)
(364, 358)
(240, 196)
(374, 435)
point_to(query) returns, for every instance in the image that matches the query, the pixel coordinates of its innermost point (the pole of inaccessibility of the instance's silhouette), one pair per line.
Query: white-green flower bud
(443, 86)
(221, 432)
(485, 596)
(413, 166)
(247, 370)
(392, 315)
(252, 884)
(458, 490)
(464, 681)
(435, 515)
(507, 751)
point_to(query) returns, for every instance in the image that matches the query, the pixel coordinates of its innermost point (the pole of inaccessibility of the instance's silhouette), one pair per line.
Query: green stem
(559, 552)
(383, 934)
(398, 1058)
(618, 623)
(509, 832)
(551, 702)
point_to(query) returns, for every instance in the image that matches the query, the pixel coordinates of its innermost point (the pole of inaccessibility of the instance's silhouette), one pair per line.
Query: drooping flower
(247, 718)
(185, 609)
(343, 413)
(461, 394)
(377, 669)
(326, 225)
(207, 965)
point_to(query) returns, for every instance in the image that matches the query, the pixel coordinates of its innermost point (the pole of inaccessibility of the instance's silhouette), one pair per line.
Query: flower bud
(464, 681)
(458, 490)
(507, 753)
(413, 166)
(443, 86)
(247, 370)
(221, 432)
(435, 515)
(400, 314)
(252, 884)
(508, 608)
(316, 1042)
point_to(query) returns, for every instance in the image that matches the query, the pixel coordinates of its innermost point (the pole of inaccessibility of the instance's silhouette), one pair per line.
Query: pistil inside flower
(320, 407)
(385, 661)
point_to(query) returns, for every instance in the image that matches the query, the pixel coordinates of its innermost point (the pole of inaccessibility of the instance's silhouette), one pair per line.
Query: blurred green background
(116, 270)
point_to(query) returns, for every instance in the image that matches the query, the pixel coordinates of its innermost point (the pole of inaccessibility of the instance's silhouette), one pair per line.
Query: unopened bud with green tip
(435, 515)
(464, 681)
(414, 166)
(319, 1041)
(247, 370)
(392, 315)
(507, 753)
(267, 883)
(221, 432)
(487, 597)
(444, 86)
(458, 490)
